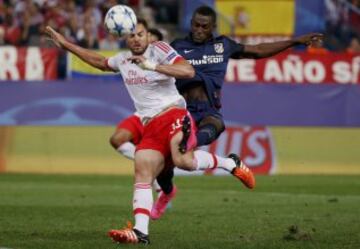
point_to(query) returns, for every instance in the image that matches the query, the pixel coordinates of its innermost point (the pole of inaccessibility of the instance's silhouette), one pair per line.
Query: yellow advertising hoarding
(298, 150)
(256, 17)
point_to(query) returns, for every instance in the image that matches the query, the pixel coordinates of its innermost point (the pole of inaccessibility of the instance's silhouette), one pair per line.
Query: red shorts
(134, 125)
(160, 130)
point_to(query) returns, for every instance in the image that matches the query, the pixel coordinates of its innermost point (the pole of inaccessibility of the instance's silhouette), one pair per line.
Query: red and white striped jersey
(152, 92)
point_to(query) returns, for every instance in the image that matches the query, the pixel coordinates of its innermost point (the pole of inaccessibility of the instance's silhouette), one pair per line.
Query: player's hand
(142, 62)
(310, 39)
(56, 37)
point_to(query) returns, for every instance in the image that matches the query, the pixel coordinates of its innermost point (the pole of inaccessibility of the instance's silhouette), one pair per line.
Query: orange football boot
(242, 172)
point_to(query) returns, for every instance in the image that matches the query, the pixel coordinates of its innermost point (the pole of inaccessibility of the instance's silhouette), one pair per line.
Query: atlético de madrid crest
(219, 48)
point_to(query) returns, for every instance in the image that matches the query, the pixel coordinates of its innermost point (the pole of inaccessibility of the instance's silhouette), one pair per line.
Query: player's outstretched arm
(264, 50)
(88, 56)
(180, 70)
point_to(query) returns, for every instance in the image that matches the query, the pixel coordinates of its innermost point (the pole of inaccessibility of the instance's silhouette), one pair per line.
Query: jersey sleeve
(114, 62)
(235, 49)
(166, 54)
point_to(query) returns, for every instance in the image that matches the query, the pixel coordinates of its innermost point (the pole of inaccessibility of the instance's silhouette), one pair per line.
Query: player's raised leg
(202, 160)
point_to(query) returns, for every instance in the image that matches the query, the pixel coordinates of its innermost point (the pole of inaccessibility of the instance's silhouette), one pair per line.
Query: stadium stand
(22, 21)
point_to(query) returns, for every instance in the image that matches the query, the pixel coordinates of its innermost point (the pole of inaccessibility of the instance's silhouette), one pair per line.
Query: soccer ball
(120, 20)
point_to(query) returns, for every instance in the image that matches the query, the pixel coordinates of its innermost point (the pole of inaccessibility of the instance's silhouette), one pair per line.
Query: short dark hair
(157, 33)
(206, 11)
(143, 22)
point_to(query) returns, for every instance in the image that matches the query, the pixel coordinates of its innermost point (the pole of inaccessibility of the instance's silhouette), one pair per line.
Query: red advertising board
(254, 145)
(28, 63)
(297, 68)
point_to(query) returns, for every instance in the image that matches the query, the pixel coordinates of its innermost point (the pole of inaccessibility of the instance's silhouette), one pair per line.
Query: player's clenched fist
(142, 62)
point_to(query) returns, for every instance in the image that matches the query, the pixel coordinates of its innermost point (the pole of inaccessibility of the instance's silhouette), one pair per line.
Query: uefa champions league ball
(120, 20)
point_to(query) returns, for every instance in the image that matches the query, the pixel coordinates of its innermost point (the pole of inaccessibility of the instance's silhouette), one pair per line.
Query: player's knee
(141, 173)
(209, 133)
(218, 132)
(221, 128)
(114, 142)
(143, 162)
(119, 137)
(143, 170)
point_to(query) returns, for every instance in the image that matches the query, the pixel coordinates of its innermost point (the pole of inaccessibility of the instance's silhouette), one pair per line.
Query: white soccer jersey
(152, 92)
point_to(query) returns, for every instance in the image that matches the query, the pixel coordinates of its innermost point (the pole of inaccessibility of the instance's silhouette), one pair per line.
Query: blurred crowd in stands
(342, 25)
(22, 21)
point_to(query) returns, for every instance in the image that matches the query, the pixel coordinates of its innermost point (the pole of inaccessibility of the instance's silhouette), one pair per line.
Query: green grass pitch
(76, 211)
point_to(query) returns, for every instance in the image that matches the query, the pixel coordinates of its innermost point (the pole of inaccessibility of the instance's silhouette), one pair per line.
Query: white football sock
(204, 160)
(127, 149)
(142, 204)
(225, 163)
